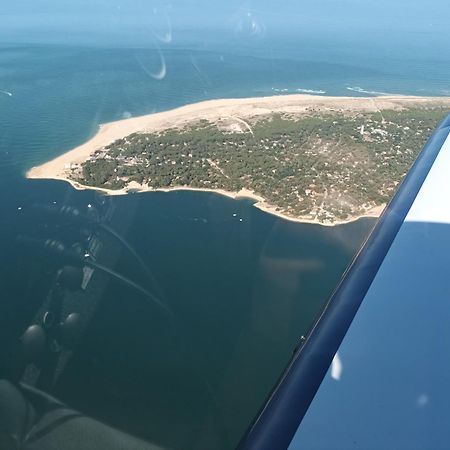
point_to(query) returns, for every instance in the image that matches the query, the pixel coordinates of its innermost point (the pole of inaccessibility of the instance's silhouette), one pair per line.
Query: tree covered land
(325, 165)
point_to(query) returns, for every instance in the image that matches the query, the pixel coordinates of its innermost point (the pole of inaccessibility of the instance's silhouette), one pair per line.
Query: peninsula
(304, 157)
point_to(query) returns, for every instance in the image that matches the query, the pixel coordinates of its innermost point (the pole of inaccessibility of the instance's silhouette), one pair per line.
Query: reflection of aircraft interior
(30, 418)
(81, 346)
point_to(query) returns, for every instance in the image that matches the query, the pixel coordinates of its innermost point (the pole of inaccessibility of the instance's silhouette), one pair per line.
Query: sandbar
(243, 109)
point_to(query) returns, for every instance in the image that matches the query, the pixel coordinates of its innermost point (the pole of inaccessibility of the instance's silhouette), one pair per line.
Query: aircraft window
(183, 185)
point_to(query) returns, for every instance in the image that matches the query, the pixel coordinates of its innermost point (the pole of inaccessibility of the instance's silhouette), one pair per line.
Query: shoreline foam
(260, 202)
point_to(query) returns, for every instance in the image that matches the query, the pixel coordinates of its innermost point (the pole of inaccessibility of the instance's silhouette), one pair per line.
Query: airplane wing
(374, 371)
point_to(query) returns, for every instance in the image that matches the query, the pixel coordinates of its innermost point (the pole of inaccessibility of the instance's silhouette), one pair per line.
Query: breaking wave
(363, 91)
(311, 91)
(303, 91)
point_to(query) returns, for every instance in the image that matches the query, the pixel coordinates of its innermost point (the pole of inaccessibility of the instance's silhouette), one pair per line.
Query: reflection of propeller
(161, 73)
(57, 249)
(248, 25)
(166, 36)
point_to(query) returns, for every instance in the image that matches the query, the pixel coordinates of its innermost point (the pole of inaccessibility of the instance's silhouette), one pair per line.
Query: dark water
(243, 285)
(242, 293)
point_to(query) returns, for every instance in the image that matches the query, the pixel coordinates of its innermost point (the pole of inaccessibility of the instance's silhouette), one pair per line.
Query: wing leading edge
(382, 274)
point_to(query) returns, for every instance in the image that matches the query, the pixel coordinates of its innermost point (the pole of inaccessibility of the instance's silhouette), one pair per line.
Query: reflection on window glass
(183, 185)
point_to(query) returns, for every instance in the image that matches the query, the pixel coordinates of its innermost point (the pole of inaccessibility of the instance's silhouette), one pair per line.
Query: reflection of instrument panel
(46, 343)
(30, 417)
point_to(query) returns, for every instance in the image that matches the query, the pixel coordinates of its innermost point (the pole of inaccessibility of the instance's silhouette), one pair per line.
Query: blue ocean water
(54, 97)
(243, 291)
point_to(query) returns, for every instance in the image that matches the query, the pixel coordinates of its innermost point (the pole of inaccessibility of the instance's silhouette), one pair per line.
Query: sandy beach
(244, 111)
(260, 202)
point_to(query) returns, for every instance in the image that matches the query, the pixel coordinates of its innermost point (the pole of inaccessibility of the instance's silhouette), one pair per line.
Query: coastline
(214, 111)
(260, 202)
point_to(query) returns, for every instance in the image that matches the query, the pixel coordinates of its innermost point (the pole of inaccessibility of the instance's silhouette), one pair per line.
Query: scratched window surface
(183, 185)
